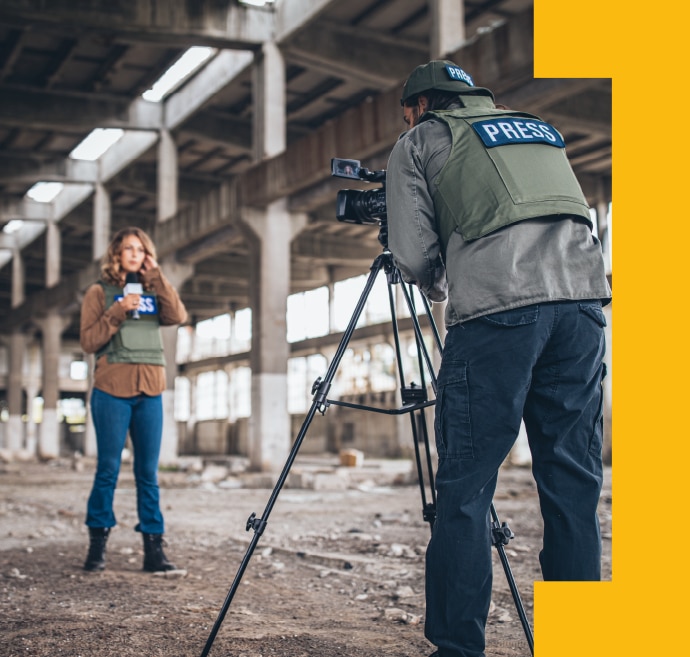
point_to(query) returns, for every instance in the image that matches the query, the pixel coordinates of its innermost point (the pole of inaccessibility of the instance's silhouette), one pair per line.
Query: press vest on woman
(137, 340)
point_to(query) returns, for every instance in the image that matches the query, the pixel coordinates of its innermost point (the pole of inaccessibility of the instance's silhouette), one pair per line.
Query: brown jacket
(98, 325)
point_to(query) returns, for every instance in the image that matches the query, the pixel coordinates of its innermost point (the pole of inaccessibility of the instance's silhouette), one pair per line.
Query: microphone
(132, 286)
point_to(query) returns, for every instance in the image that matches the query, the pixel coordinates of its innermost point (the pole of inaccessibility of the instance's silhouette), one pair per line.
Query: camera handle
(414, 401)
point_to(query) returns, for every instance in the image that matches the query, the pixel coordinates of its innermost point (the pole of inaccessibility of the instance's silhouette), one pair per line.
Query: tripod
(414, 401)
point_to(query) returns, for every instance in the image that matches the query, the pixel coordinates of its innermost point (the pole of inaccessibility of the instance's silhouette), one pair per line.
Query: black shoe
(154, 558)
(95, 559)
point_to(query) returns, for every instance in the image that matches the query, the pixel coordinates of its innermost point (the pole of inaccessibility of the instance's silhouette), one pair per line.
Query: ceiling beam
(178, 23)
(346, 52)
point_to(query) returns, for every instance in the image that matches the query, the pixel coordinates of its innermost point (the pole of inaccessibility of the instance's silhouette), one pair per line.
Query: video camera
(360, 206)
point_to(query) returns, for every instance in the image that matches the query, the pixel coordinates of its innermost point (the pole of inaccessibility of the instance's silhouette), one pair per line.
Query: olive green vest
(137, 340)
(523, 172)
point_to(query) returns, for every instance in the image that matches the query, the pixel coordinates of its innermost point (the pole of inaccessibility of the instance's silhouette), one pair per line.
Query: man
(483, 207)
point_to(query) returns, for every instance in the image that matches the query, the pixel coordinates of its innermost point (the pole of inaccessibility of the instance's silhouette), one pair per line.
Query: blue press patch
(147, 304)
(499, 132)
(456, 73)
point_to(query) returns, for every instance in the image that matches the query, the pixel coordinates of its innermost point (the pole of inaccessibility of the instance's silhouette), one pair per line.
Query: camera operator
(483, 207)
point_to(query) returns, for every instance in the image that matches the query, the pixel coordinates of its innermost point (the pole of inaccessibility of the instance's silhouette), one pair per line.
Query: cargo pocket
(594, 312)
(596, 441)
(452, 419)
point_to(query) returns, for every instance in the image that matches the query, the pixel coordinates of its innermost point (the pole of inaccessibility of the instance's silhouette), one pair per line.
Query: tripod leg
(501, 535)
(319, 403)
(410, 396)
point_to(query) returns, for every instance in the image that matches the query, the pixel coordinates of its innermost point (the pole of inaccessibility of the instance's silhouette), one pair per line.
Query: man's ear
(423, 104)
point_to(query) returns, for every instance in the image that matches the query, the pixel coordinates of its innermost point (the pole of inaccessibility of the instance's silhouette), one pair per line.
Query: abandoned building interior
(227, 165)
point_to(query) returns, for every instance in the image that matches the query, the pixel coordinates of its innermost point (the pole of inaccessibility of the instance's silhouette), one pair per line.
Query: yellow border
(642, 611)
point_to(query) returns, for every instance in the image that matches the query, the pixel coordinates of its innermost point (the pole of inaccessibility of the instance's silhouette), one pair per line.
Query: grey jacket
(534, 261)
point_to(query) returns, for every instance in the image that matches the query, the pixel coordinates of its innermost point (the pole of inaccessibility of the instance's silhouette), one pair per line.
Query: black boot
(95, 559)
(154, 557)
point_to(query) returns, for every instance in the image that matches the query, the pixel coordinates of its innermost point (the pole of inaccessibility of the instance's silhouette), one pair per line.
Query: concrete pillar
(167, 177)
(18, 278)
(268, 83)
(53, 259)
(176, 273)
(52, 326)
(269, 235)
(33, 387)
(447, 27)
(170, 442)
(15, 426)
(331, 301)
(192, 419)
(101, 221)
(90, 443)
(232, 338)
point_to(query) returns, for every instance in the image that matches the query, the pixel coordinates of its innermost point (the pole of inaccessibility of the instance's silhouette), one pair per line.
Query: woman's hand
(130, 302)
(148, 264)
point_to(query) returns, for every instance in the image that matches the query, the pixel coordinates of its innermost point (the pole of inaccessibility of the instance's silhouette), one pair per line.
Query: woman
(128, 382)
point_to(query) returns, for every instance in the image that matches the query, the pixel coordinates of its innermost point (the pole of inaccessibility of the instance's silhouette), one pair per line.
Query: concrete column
(18, 278)
(192, 420)
(53, 255)
(90, 444)
(15, 426)
(269, 235)
(331, 305)
(167, 177)
(170, 442)
(52, 326)
(447, 27)
(232, 339)
(101, 221)
(268, 84)
(176, 273)
(33, 387)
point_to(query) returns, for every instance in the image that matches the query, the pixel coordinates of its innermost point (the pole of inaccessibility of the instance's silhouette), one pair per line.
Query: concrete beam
(178, 23)
(26, 170)
(221, 129)
(129, 148)
(48, 110)
(216, 75)
(336, 249)
(291, 16)
(27, 210)
(342, 51)
(362, 132)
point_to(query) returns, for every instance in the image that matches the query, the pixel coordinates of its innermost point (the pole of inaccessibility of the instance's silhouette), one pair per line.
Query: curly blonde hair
(110, 265)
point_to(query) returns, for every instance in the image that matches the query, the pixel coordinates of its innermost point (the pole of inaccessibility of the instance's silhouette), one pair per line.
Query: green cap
(439, 74)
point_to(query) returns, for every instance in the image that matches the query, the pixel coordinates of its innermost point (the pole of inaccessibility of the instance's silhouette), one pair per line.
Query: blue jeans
(544, 364)
(113, 417)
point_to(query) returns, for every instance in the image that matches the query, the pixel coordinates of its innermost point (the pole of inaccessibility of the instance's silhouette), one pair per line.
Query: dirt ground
(338, 571)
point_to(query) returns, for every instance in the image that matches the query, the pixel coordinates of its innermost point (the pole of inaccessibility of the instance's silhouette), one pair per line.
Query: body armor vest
(137, 340)
(504, 167)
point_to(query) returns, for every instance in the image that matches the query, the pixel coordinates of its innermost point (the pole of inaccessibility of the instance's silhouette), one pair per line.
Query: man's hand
(383, 235)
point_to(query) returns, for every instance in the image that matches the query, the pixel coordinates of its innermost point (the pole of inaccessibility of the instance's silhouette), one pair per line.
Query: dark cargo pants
(543, 363)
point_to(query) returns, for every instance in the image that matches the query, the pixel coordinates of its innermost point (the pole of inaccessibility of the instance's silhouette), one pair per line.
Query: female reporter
(129, 379)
